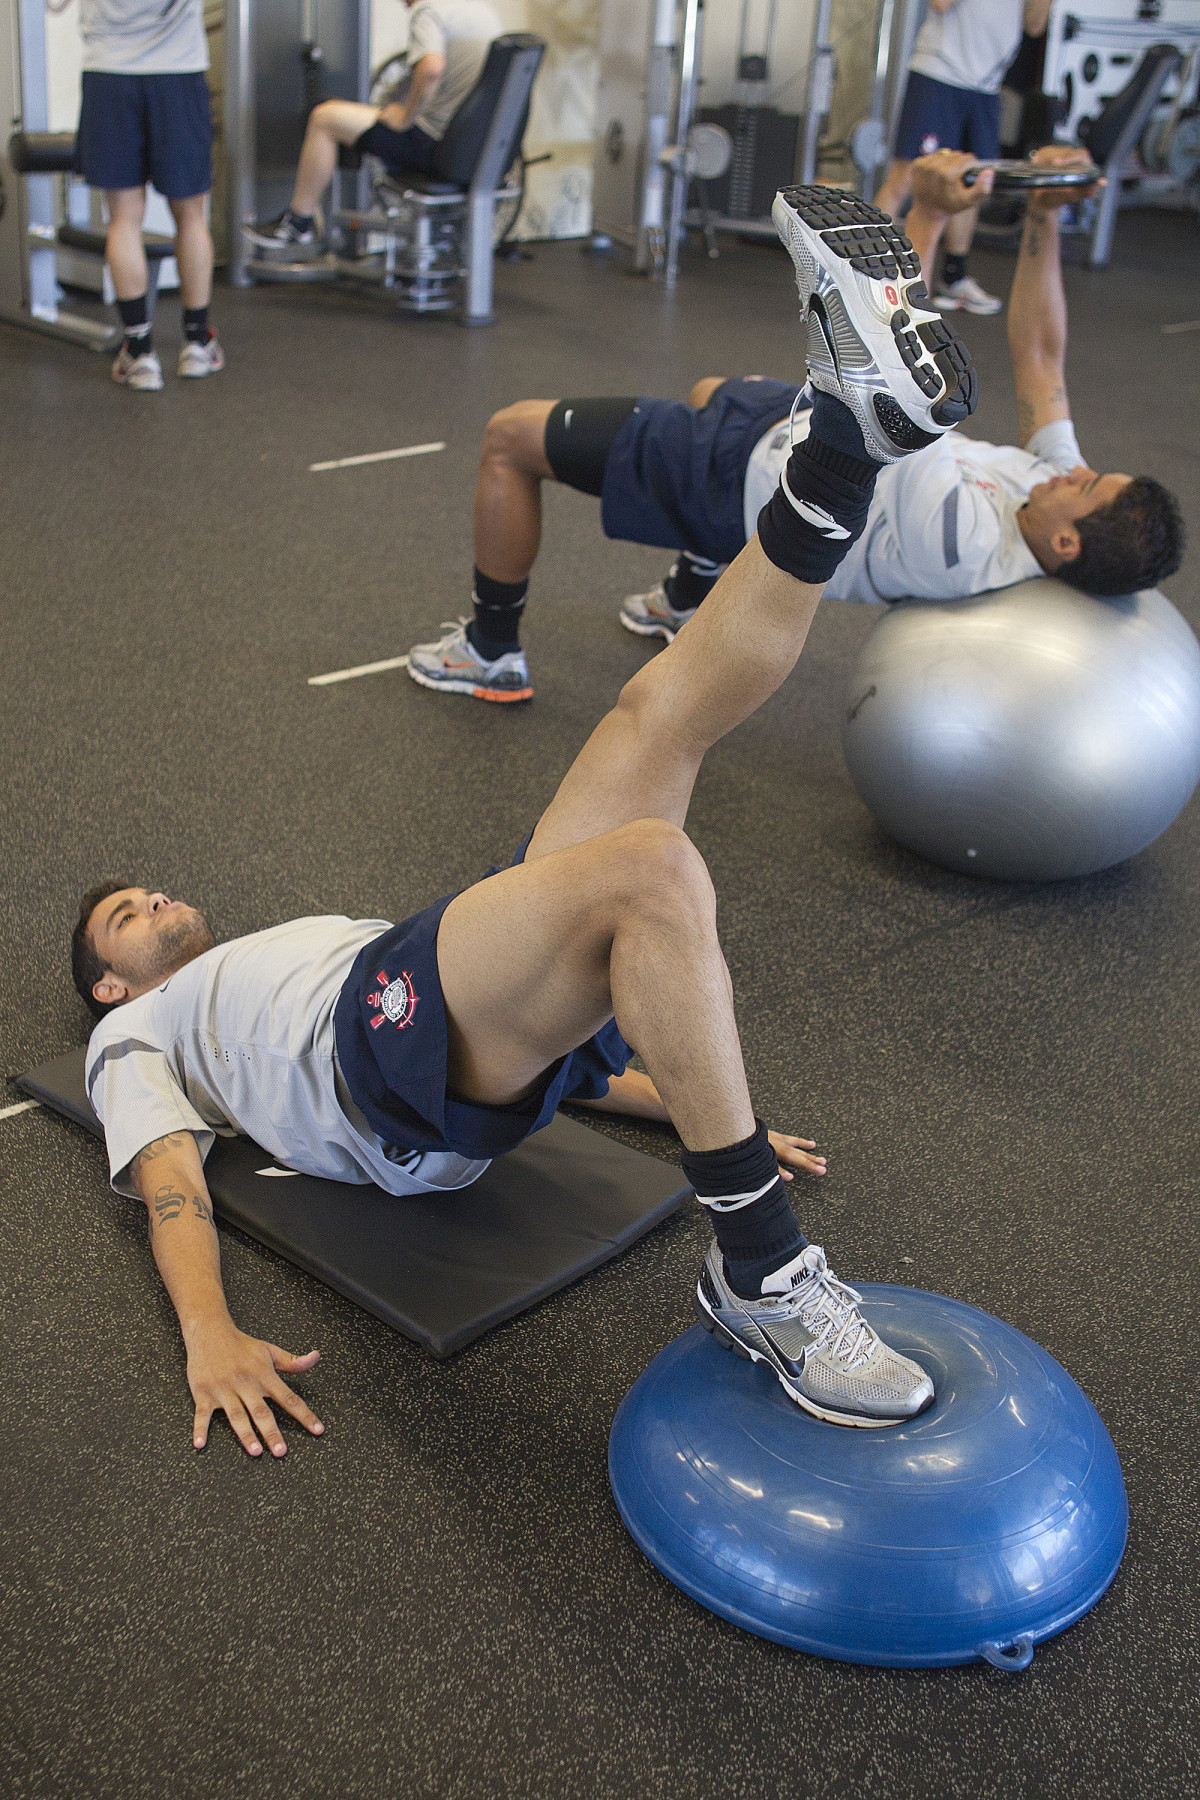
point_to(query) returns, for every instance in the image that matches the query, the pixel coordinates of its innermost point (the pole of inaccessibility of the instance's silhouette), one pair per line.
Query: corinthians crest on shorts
(396, 1001)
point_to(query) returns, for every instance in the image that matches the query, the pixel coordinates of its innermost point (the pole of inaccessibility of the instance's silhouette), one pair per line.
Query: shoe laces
(829, 1309)
(455, 628)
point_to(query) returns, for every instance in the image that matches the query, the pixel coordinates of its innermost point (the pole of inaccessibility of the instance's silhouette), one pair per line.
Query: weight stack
(764, 158)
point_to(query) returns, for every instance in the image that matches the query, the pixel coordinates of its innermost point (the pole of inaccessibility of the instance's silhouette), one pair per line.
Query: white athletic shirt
(143, 37)
(943, 523)
(459, 30)
(240, 1042)
(970, 46)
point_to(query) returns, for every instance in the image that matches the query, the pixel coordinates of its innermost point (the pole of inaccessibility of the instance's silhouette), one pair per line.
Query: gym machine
(41, 207)
(282, 58)
(1126, 78)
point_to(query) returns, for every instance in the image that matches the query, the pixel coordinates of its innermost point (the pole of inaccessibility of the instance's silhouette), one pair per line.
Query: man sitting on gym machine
(410, 1054)
(961, 518)
(447, 47)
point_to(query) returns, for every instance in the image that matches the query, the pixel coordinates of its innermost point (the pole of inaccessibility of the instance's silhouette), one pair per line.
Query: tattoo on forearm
(168, 1204)
(1025, 418)
(1034, 228)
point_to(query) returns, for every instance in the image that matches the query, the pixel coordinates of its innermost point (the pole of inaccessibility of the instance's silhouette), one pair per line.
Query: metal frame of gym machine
(648, 92)
(30, 294)
(281, 58)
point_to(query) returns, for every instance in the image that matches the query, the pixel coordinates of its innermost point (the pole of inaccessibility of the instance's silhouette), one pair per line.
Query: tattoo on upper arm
(162, 1146)
(1025, 417)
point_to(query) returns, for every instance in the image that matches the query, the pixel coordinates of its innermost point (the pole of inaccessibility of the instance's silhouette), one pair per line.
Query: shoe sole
(728, 1341)
(200, 374)
(870, 361)
(977, 312)
(139, 387)
(666, 632)
(498, 696)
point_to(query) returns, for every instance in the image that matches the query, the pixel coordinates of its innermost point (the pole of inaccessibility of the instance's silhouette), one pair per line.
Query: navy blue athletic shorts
(401, 152)
(139, 128)
(390, 1029)
(936, 116)
(675, 473)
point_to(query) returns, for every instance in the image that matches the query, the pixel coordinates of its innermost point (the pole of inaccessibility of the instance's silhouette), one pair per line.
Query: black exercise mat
(445, 1268)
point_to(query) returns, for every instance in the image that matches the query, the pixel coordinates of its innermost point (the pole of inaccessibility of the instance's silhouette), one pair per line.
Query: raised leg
(643, 757)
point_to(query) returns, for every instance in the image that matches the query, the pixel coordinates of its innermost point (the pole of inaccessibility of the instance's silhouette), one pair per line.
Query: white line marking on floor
(389, 662)
(10, 1112)
(353, 462)
(1187, 325)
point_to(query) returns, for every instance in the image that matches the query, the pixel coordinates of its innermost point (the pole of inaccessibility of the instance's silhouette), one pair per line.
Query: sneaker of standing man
(145, 116)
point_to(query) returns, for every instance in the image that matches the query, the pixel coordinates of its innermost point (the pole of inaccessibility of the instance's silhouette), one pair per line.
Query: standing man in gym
(952, 102)
(145, 116)
(448, 43)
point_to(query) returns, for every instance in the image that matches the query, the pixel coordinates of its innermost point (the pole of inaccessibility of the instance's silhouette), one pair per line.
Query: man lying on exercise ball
(962, 518)
(410, 1054)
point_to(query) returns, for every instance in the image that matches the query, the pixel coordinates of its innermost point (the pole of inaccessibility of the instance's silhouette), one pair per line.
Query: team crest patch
(929, 143)
(396, 1000)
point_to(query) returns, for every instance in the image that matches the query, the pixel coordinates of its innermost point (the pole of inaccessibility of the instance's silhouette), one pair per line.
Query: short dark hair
(86, 964)
(1133, 542)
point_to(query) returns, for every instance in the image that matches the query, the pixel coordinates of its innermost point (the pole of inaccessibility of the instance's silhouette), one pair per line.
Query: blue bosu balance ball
(992, 1521)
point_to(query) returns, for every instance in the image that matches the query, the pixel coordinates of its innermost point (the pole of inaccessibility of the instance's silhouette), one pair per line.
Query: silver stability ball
(1029, 734)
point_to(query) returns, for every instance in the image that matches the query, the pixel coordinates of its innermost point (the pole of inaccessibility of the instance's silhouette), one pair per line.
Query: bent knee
(704, 390)
(517, 433)
(659, 866)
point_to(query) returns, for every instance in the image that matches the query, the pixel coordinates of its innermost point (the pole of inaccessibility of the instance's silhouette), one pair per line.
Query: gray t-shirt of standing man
(144, 37)
(971, 44)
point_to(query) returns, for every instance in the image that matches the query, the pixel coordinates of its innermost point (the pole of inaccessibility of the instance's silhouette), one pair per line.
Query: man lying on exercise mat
(410, 1054)
(960, 519)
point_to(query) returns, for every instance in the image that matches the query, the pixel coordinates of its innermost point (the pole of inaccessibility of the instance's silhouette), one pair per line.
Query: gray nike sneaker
(652, 615)
(454, 666)
(873, 342)
(812, 1335)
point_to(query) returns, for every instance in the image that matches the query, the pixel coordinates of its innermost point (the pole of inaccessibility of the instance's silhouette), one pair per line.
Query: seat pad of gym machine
(440, 1268)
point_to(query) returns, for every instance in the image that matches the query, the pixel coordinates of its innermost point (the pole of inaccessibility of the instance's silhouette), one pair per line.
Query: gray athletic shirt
(943, 523)
(144, 37)
(459, 30)
(971, 45)
(240, 1042)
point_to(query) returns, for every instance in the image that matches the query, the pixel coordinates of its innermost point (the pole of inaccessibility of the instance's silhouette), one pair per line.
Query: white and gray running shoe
(144, 372)
(454, 666)
(812, 1335)
(652, 615)
(873, 343)
(198, 360)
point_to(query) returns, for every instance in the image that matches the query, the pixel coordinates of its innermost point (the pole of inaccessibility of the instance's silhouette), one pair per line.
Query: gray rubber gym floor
(439, 1600)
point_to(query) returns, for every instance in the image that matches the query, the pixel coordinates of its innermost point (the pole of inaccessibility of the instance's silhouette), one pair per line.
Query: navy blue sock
(496, 628)
(820, 506)
(691, 580)
(136, 320)
(760, 1232)
(195, 324)
(953, 268)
